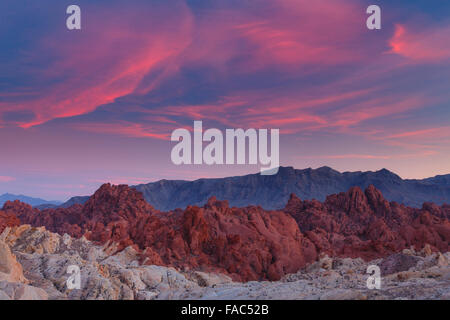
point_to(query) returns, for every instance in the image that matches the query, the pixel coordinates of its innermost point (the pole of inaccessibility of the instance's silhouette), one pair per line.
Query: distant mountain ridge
(67, 204)
(30, 200)
(272, 192)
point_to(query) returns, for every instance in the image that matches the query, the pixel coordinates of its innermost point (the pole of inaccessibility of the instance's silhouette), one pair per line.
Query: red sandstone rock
(246, 243)
(8, 220)
(364, 224)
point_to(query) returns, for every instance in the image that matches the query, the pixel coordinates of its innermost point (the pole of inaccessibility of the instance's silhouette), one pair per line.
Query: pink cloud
(424, 133)
(127, 129)
(429, 140)
(105, 62)
(350, 156)
(287, 36)
(377, 107)
(6, 179)
(357, 156)
(111, 59)
(430, 45)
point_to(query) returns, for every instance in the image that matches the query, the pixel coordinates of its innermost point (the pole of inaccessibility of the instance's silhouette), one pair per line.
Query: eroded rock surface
(120, 276)
(246, 244)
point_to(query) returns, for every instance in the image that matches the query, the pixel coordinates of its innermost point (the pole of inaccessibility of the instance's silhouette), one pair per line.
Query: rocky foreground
(126, 249)
(34, 262)
(246, 244)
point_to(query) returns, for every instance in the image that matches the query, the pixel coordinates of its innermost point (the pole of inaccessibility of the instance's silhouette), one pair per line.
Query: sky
(82, 107)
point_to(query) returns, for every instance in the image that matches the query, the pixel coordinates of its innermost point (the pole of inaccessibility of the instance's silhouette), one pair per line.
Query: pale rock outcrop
(247, 244)
(20, 291)
(10, 269)
(121, 276)
(211, 279)
(13, 284)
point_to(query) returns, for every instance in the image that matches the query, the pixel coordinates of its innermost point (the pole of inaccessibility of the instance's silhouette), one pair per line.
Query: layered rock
(364, 224)
(13, 284)
(8, 220)
(10, 269)
(246, 243)
(46, 258)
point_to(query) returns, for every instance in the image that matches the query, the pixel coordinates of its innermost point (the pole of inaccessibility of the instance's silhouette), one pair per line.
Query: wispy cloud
(6, 179)
(429, 45)
(339, 93)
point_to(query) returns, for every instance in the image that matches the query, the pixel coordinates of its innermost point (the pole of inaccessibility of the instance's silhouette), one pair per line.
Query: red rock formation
(8, 220)
(59, 220)
(364, 224)
(247, 243)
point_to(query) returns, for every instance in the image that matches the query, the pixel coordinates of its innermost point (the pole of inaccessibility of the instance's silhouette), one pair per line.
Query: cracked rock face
(10, 269)
(34, 265)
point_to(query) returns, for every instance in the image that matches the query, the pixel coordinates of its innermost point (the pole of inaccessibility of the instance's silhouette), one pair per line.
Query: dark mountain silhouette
(272, 192)
(72, 201)
(75, 200)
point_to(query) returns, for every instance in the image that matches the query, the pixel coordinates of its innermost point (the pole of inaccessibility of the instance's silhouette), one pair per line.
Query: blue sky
(78, 108)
